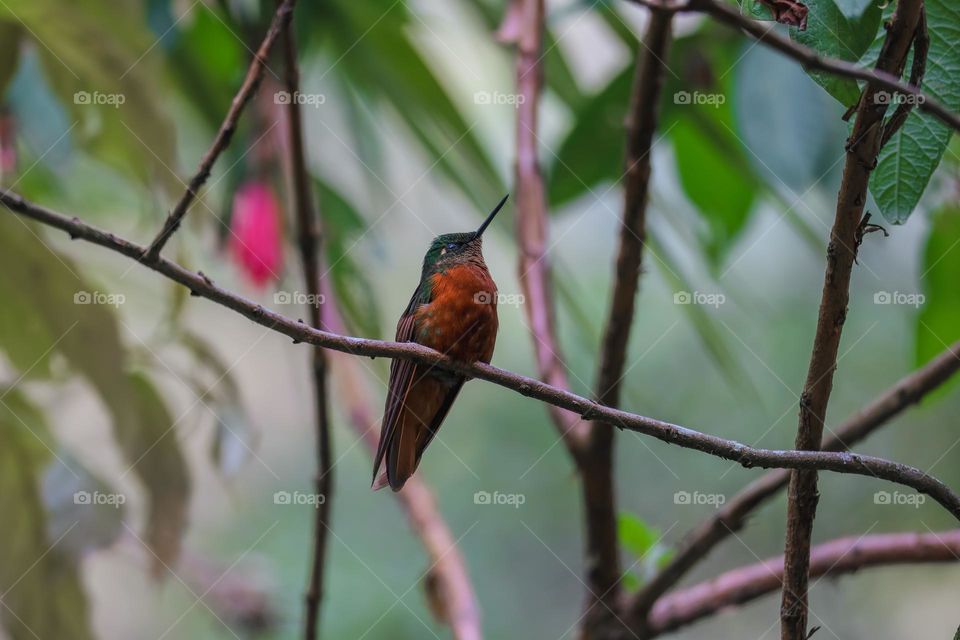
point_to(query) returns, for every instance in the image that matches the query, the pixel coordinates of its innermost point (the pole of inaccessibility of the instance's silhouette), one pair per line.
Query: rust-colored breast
(461, 321)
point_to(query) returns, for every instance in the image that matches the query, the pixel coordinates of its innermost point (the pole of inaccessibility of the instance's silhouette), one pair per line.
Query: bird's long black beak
(489, 219)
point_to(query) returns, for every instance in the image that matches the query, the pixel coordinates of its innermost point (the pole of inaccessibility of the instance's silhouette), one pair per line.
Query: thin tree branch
(810, 59)
(249, 87)
(202, 286)
(834, 558)
(732, 516)
(309, 238)
(863, 148)
(447, 583)
(641, 125)
(602, 546)
(921, 47)
(524, 26)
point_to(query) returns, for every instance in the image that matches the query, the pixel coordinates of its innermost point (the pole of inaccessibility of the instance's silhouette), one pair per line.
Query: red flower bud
(8, 149)
(255, 242)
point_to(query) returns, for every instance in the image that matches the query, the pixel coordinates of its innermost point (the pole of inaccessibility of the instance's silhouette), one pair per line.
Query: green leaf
(206, 356)
(592, 151)
(151, 446)
(631, 582)
(614, 21)
(756, 10)
(342, 225)
(854, 9)
(909, 159)
(698, 115)
(42, 593)
(938, 323)
(41, 119)
(793, 130)
(234, 436)
(208, 61)
(234, 439)
(642, 541)
(636, 535)
(719, 187)
(86, 333)
(831, 33)
(9, 53)
(24, 337)
(82, 504)
(93, 55)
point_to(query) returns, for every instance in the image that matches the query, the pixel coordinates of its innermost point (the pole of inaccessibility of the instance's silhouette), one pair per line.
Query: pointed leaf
(791, 128)
(635, 534)
(938, 323)
(151, 445)
(909, 159)
(85, 331)
(853, 9)
(592, 151)
(42, 593)
(831, 33)
(9, 53)
(82, 504)
(343, 225)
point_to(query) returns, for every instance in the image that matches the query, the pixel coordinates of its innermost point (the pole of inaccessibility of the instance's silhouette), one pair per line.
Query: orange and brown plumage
(454, 311)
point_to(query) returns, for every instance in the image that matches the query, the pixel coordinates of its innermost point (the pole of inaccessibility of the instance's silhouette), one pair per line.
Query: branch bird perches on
(747, 456)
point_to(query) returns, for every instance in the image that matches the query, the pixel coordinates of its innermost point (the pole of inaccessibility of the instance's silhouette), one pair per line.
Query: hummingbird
(453, 311)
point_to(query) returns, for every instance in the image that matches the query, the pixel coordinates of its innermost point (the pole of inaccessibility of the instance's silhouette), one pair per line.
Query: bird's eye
(452, 246)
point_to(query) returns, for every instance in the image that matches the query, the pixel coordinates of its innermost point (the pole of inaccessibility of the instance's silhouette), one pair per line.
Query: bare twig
(249, 87)
(309, 237)
(834, 558)
(202, 286)
(863, 148)
(447, 582)
(921, 46)
(602, 546)
(524, 25)
(732, 516)
(810, 59)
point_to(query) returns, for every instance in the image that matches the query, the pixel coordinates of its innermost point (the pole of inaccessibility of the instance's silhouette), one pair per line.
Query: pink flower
(8, 150)
(255, 242)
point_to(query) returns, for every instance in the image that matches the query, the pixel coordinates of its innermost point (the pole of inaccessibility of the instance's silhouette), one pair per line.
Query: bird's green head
(451, 249)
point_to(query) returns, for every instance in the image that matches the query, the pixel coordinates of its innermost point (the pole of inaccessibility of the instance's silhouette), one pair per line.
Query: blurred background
(132, 414)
